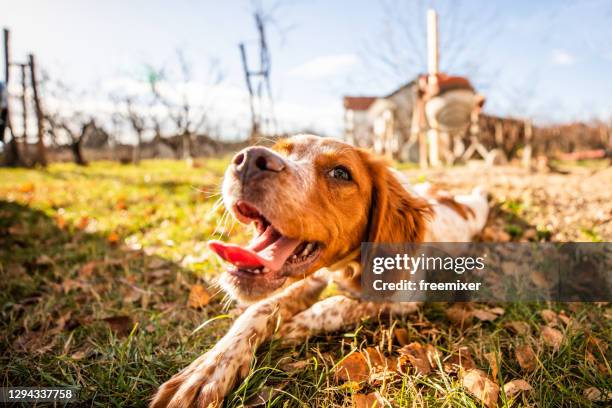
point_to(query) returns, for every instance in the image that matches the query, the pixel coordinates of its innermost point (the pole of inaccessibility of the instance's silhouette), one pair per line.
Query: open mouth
(270, 253)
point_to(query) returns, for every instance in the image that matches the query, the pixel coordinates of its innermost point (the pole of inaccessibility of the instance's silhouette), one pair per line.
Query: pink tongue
(272, 256)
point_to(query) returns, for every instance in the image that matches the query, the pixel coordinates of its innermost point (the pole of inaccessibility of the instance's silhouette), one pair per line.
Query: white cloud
(562, 57)
(325, 66)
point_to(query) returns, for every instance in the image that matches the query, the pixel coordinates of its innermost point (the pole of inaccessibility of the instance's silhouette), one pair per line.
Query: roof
(359, 103)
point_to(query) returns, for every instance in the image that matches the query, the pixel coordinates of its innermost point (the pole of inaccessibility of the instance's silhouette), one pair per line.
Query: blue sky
(549, 60)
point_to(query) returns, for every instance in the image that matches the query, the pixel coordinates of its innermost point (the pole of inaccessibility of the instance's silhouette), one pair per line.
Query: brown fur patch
(463, 210)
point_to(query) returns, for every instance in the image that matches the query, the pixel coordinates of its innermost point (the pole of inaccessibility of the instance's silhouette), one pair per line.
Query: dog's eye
(340, 173)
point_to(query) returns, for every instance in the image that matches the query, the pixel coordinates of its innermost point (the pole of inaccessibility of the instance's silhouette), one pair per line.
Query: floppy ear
(395, 214)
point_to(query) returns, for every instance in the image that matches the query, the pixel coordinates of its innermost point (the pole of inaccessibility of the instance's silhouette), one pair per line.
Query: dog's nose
(256, 160)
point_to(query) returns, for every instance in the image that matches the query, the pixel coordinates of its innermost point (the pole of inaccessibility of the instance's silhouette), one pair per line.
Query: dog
(312, 201)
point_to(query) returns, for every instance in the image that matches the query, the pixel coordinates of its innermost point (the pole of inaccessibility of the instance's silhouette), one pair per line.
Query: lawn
(105, 278)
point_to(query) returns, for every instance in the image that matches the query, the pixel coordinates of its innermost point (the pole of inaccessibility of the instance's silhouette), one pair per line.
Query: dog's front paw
(206, 381)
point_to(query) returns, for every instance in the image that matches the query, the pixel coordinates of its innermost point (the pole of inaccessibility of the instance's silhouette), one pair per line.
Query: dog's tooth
(256, 271)
(293, 256)
(266, 270)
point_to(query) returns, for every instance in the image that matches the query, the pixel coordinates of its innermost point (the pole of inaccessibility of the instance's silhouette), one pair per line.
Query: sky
(547, 60)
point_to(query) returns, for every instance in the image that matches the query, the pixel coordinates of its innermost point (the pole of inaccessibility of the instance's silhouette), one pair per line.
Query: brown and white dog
(312, 201)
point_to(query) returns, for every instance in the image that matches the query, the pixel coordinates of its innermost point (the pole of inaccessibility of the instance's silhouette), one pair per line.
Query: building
(416, 120)
(382, 123)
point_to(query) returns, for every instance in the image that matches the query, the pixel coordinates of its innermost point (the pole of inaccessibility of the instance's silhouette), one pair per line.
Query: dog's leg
(207, 380)
(336, 312)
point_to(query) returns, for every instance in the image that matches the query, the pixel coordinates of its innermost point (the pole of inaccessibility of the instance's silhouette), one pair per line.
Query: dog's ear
(395, 214)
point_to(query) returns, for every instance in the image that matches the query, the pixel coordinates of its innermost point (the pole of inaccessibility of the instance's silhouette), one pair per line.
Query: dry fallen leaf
(459, 315)
(60, 222)
(484, 315)
(593, 394)
(83, 223)
(371, 400)
(79, 355)
(549, 317)
(263, 396)
(415, 354)
(198, 297)
(401, 335)
(477, 383)
(492, 359)
(353, 368)
(121, 325)
(26, 188)
(517, 327)
(113, 237)
(460, 361)
(552, 337)
(87, 269)
(291, 367)
(526, 357)
(513, 387)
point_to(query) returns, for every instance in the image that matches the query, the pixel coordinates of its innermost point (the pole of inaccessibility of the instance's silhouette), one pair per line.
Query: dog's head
(312, 201)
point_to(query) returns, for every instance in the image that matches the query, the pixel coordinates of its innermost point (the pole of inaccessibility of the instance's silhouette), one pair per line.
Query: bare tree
(71, 131)
(400, 52)
(138, 125)
(182, 114)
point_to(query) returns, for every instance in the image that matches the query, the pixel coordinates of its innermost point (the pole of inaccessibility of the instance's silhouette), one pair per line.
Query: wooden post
(247, 75)
(432, 81)
(13, 156)
(432, 44)
(24, 104)
(40, 117)
(528, 139)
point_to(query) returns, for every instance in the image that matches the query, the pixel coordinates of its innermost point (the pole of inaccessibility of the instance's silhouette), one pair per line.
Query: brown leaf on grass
(87, 270)
(35, 342)
(291, 367)
(492, 360)
(120, 204)
(83, 223)
(60, 222)
(549, 316)
(459, 315)
(78, 355)
(416, 355)
(526, 357)
(484, 315)
(264, 396)
(513, 387)
(552, 337)
(371, 400)
(353, 368)
(44, 260)
(477, 383)
(401, 335)
(593, 394)
(121, 325)
(198, 297)
(378, 361)
(113, 238)
(517, 327)
(565, 318)
(27, 188)
(460, 361)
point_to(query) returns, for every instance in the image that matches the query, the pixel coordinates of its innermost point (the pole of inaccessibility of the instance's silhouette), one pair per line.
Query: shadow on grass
(81, 311)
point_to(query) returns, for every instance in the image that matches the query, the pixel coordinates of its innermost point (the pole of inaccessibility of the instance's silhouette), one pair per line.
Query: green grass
(111, 318)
